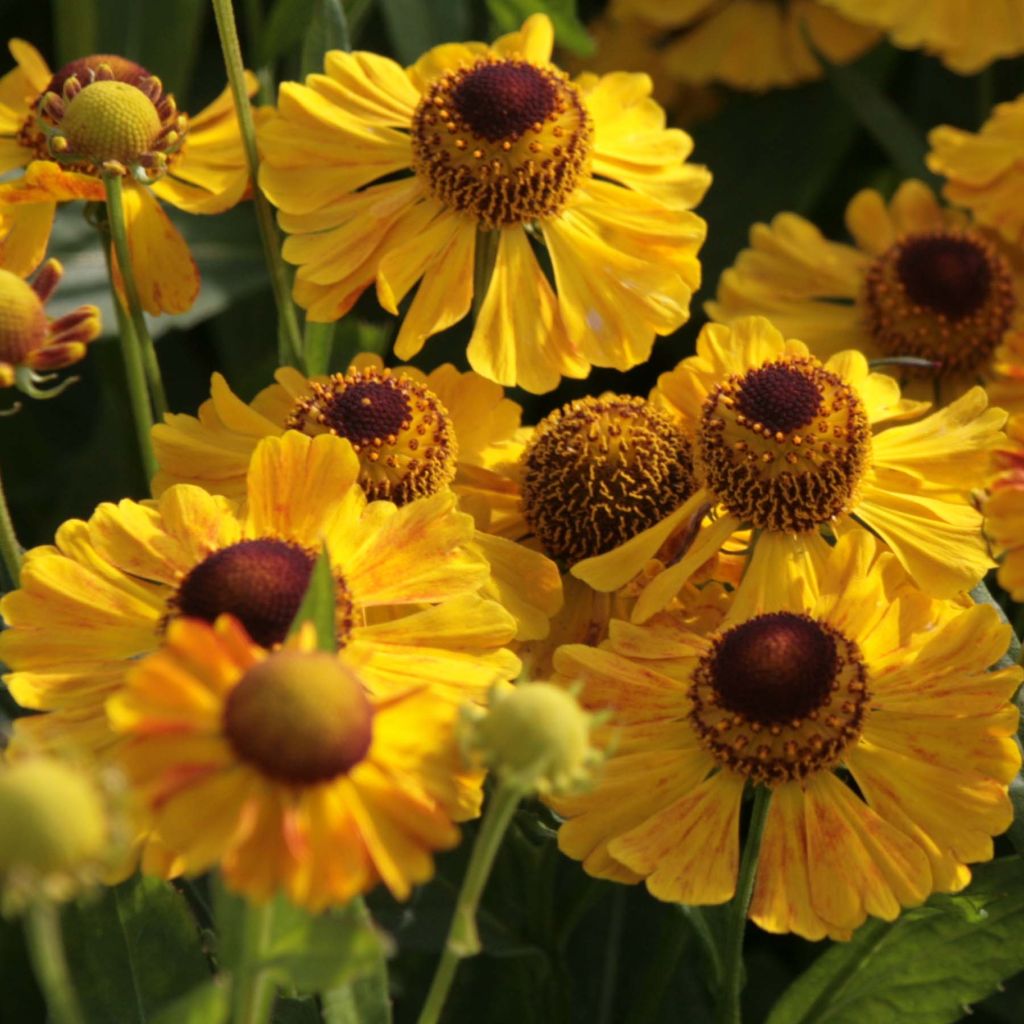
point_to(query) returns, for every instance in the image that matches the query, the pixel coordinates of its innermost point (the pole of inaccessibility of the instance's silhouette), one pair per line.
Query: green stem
(10, 549)
(697, 919)
(729, 1008)
(289, 337)
(119, 236)
(318, 341)
(254, 991)
(484, 258)
(463, 939)
(138, 392)
(50, 964)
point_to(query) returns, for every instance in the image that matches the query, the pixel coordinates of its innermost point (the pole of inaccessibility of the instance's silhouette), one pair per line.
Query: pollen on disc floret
(784, 446)
(504, 140)
(399, 428)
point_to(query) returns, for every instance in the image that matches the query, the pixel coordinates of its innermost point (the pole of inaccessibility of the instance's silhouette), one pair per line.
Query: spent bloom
(103, 115)
(402, 176)
(31, 343)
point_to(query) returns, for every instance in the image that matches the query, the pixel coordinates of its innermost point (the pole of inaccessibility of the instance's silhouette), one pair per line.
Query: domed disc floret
(261, 583)
(784, 446)
(947, 296)
(599, 471)
(398, 427)
(299, 718)
(505, 141)
(779, 697)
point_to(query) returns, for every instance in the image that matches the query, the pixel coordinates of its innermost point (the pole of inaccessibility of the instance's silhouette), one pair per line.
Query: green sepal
(318, 604)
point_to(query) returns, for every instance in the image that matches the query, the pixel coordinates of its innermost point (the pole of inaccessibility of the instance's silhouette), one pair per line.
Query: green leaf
(328, 30)
(283, 29)
(131, 950)
(879, 116)
(296, 1011)
(365, 1000)
(414, 26)
(570, 32)
(925, 968)
(76, 27)
(307, 952)
(318, 604)
(207, 1004)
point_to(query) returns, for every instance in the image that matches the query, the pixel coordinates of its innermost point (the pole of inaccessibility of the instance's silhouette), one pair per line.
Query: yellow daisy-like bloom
(1004, 509)
(789, 446)
(107, 115)
(747, 44)
(984, 171)
(415, 434)
(966, 36)
(489, 146)
(291, 770)
(920, 281)
(854, 672)
(406, 579)
(30, 342)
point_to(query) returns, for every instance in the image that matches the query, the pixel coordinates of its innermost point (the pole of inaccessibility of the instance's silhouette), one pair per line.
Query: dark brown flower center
(598, 471)
(398, 427)
(947, 296)
(505, 141)
(779, 697)
(299, 718)
(502, 100)
(260, 582)
(784, 446)
(779, 397)
(774, 668)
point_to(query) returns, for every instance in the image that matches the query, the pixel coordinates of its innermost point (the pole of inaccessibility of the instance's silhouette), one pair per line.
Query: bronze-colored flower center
(261, 582)
(779, 697)
(599, 471)
(503, 140)
(299, 718)
(947, 296)
(398, 427)
(784, 446)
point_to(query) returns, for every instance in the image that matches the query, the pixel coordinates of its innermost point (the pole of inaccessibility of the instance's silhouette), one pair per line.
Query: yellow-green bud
(535, 736)
(55, 824)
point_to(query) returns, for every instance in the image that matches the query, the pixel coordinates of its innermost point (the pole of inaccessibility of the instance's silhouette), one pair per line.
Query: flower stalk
(254, 990)
(49, 963)
(729, 1008)
(463, 938)
(289, 337)
(113, 231)
(10, 549)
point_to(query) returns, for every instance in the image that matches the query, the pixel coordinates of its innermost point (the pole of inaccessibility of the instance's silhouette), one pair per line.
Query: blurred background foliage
(559, 945)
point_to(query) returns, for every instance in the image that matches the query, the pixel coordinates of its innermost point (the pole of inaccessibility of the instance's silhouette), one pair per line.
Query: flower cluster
(755, 578)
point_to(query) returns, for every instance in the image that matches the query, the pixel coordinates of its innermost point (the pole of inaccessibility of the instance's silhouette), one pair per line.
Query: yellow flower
(488, 146)
(414, 433)
(407, 583)
(966, 36)
(293, 770)
(788, 446)
(30, 342)
(1004, 509)
(747, 44)
(984, 170)
(105, 114)
(852, 671)
(920, 281)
